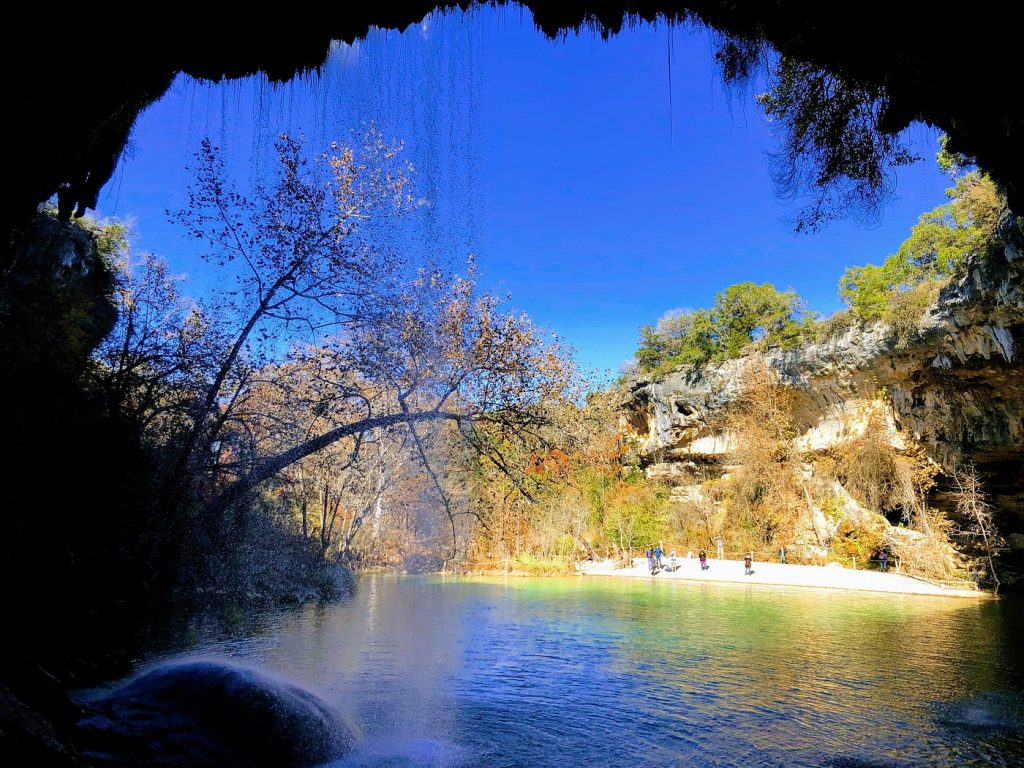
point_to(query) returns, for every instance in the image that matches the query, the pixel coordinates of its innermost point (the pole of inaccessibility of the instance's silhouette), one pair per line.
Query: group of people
(656, 564)
(654, 559)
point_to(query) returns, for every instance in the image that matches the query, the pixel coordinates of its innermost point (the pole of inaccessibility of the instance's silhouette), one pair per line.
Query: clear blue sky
(560, 164)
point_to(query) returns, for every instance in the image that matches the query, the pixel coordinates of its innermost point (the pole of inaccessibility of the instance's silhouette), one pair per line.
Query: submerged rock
(209, 713)
(988, 710)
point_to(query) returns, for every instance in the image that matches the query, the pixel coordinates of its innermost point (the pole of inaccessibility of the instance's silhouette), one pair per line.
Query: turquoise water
(617, 672)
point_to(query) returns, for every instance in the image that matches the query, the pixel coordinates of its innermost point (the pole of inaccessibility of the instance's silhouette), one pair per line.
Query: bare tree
(296, 253)
(765, 489)
(972, 504)
(392, 349)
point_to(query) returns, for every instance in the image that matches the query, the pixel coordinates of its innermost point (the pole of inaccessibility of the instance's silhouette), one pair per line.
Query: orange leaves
(553, 463)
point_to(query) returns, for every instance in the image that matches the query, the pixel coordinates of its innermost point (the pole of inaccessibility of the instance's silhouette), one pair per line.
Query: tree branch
(274, 464)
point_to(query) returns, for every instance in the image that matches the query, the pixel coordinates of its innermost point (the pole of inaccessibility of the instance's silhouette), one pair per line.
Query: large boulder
(207, 713)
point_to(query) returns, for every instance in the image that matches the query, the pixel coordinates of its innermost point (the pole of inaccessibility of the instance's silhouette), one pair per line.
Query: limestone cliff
(956, 386)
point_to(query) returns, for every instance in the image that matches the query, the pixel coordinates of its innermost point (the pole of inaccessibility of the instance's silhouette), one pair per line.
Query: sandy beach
(828, 577)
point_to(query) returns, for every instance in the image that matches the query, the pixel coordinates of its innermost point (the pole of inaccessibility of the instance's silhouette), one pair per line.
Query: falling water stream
(593, 672)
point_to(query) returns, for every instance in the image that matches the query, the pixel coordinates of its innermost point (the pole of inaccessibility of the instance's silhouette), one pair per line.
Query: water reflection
(613, 672)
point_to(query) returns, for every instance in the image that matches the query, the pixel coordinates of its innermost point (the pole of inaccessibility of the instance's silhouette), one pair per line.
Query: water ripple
(474, 673)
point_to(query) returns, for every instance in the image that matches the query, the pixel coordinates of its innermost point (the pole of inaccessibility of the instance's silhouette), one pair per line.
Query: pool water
(617, 672)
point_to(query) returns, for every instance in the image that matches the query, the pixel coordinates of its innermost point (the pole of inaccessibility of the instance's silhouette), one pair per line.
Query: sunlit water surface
(616, 672)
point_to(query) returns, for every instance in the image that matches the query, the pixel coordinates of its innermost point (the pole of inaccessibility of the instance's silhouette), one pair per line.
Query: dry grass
(925, 549)
(879, 476)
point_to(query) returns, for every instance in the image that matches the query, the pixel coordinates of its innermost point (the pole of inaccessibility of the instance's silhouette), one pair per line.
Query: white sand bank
(829, 577)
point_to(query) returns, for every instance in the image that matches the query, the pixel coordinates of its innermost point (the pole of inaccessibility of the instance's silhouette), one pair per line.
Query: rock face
(36, 715)
(58, 294)
(211, 714)
(957, 387)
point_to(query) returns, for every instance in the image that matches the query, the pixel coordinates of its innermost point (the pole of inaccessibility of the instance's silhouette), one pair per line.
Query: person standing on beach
(658, 552)
(748, 564)
(703, 560)
(721, 548)
(650, 559)
(672, 560)
(782, 554)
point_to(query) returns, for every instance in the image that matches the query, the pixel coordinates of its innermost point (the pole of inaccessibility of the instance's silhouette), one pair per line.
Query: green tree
(652, 352)
(697, 338)
(747, 311)
(742, 313)
(681, 337)
(939, 246)
(636, 514)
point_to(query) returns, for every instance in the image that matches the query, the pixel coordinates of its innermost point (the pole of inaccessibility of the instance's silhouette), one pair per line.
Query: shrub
(537, 566)
(925, 550)
(832, 507)
(836, 325)
(857, 541)
(906, 310)
(763, 495)
(867, 466)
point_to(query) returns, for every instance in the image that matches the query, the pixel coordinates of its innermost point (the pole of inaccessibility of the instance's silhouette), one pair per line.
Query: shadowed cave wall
(73, 87)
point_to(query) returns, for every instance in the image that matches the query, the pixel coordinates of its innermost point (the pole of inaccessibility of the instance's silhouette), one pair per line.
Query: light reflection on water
(592, 672)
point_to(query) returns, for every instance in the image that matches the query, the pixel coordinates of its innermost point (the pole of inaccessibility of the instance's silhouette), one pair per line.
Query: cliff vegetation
(892, 426)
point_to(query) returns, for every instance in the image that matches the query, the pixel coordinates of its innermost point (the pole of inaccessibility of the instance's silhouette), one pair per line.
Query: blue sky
(560, 164)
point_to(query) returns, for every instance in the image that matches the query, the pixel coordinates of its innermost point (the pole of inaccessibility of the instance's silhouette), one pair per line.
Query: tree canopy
(939, 246)
(741, 314)
(896, 292)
